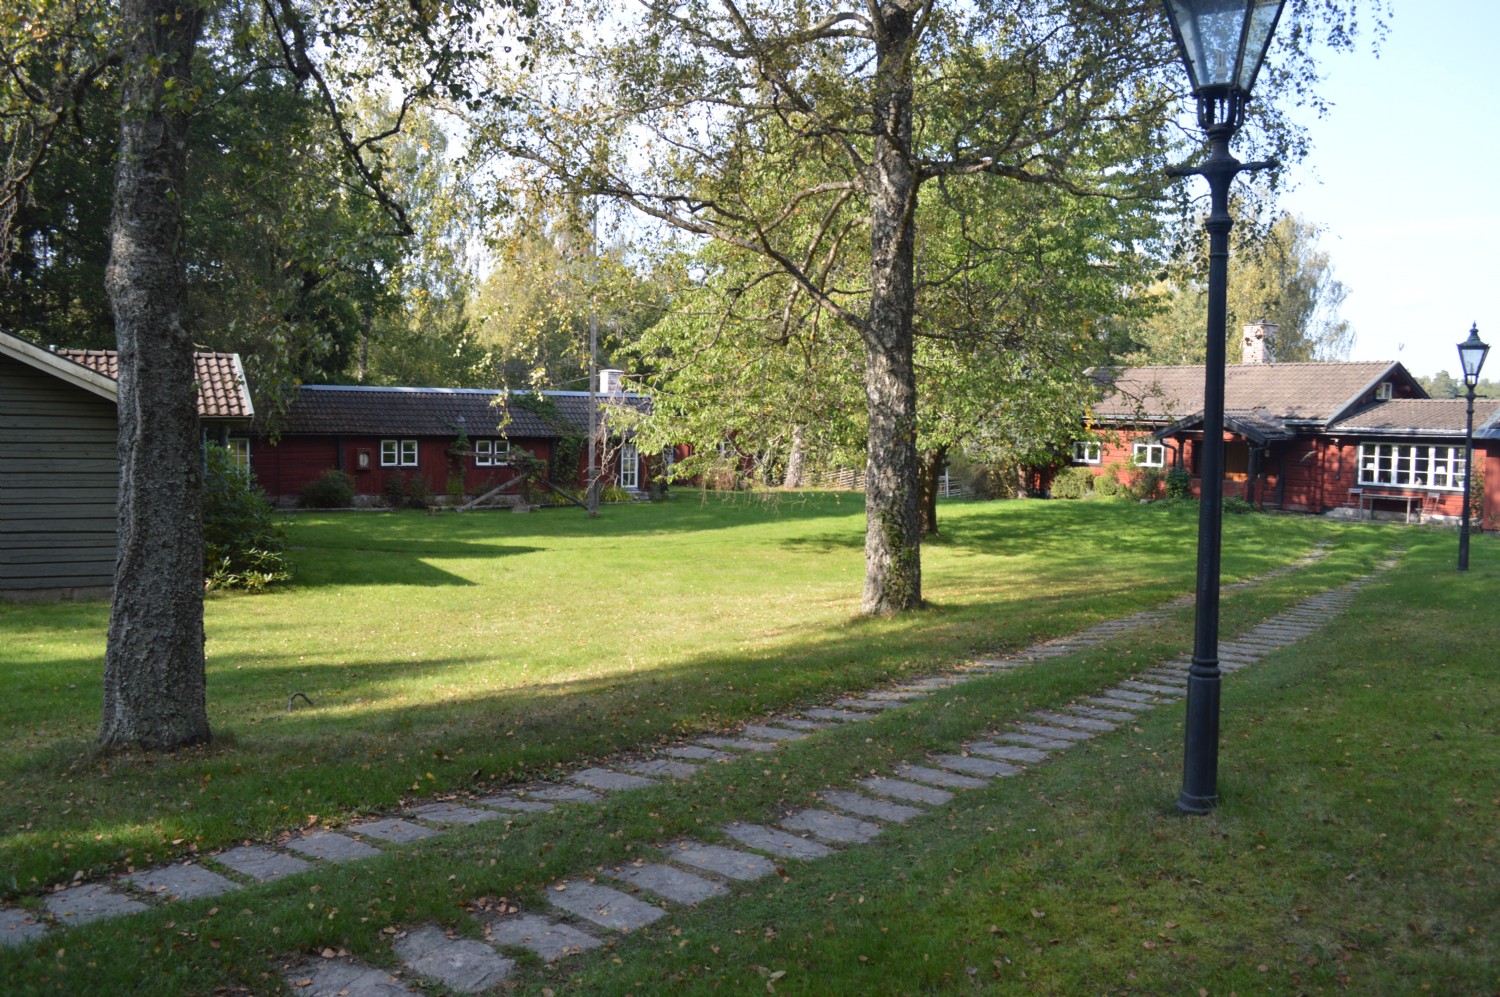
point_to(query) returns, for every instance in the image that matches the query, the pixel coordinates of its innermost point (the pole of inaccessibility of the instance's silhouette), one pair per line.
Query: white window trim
(490, 453)
(630, 467)
(398, 453)
(1159, 449)
(1427, 467)
(1088, 452)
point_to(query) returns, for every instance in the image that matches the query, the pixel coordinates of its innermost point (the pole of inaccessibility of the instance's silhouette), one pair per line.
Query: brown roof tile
(1287, 392)
(222, 391)
(1418, 417)
(370, 411)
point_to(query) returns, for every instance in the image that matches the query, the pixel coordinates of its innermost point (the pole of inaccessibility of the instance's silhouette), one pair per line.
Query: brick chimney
(1260, 342)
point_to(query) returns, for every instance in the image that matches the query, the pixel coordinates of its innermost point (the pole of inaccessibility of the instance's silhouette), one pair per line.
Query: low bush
(330, 490)
(613, 493)
(1236, 506)
(243, 547)
(1073, 483)
(1179, 483)
(1146, 483)
(1108, 486)
(401, 491)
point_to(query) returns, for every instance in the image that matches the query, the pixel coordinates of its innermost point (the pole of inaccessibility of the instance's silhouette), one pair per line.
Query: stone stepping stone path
(688, 872)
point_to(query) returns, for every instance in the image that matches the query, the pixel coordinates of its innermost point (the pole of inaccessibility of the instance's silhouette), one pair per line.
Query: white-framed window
(630, 466)
(488, 453)
(239, 451)
(398, 453)
(1417, 465)
(1150, 455)
(1384, 390)
(1087, 452)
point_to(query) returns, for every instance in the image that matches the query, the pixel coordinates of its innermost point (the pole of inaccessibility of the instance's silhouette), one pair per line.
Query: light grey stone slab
(464, 965)
(903, 790)
(933, 683)
(938, 777)
(344, 978)
(1072, 722)
(760, 732)
(860, 703)
(395, 830)
(1008, 752)
(997, 664)
(331, 846)
(181, 882)
(727, 862)
(17, 927)
(737, 743)
(663, 767)
(1128, 696)
(900, 694)
(1055, 733)
(260, 863)
(90, 902)
(697, 753)
(515, 804)
(1167, 691)
(829, 826)
(1119, 704)
(1033, 740)
(453, 813)
(768, 839)
(549, 939)
(799, 723)
(669, 882)
(604, 906)
(1095, 713)
(825, 713)
(867, 806)
(1178, 679)
(984, 768)
(609, 780)
(564, 794)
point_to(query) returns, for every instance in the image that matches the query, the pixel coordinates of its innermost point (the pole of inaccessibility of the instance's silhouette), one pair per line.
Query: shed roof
(1419, 417)
(361, 410)
(222, 390)
(1306, 393)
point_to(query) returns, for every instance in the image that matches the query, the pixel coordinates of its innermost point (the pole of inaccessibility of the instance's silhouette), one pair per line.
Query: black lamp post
(1471, 354)
(1223, 43)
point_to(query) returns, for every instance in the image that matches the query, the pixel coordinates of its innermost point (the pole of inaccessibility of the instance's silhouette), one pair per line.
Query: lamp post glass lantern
(1223, 44)
(1471, 354)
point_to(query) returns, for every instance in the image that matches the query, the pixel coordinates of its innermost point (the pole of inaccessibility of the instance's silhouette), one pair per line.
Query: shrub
(1073, 483)
(243, 547)
(1236, 506)
(613, 493)
(413, 492)
(1108, 486)
(1145, 482)
(330, 490)
(1179, 483)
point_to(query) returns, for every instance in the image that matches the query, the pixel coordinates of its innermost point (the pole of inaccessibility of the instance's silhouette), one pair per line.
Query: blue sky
(1404, 174)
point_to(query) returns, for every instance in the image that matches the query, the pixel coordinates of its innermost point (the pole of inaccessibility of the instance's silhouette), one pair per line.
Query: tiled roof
(222, 391)
(366, 411)
(1418, 417)
(1287, 392)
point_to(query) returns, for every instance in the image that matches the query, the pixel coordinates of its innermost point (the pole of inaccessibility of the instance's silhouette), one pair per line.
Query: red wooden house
(456, 439)
(1350, 438)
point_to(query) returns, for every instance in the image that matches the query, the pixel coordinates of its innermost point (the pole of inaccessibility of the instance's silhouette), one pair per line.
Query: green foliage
(1445, 385)
(1179, 483)
(1108, 486)
(1476, 490)
(333, 489)
(1073, 483)
(571, 448)
(1146, 482)
(243, 546)
(411, 491)
(614, 493)
(1236, 506)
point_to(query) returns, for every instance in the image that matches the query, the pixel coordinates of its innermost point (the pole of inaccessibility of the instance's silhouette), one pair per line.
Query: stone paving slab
(610, 780)
(603, 905)
(1072, 722)
(860, 703)
(768, 839)
(983, 767)
(1165, 691)
(799, 723)
(549, 939)
(669, 882)
(453, 813)
(760, 732)
(830, 826)
(1128, 696)
(663, 767)
(464, 965)
(932, 684)
(182, 882)
(17, 927)
(1119, 704)
(737, 743)
(1178, 679)
(866, 806)
(694, 752)
(558, 793)
(903, 790)
(1033, 740)
(727, 862)
(344, 978)
(515, 804)
(1093, 712)
(331, 846)
(937, 777)
(902, 694)
(827, 713)
(1056, 733)
(996, 664)
(1008, 752)
(90, 902)
(395, 830)
(260, 863)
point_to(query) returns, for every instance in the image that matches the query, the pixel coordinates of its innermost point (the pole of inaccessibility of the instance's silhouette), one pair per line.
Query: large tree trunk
(932, 462)
(154, 664)
(794, 459)
(893, 529)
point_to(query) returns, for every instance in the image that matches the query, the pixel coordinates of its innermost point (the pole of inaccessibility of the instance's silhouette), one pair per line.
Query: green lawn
(1356, 839)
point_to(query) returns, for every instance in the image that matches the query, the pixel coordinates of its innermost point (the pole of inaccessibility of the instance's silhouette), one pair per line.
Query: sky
(1404, 175)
